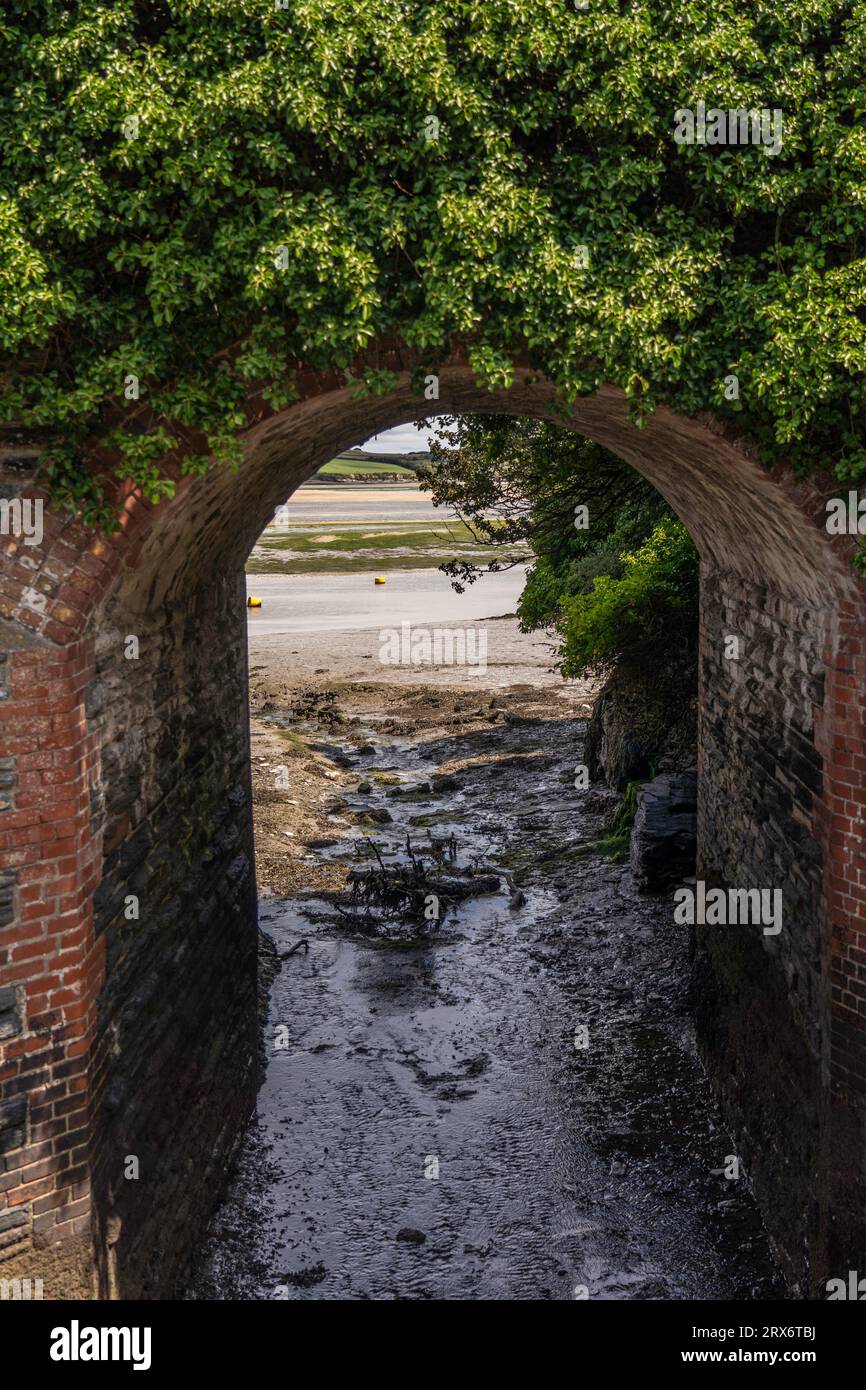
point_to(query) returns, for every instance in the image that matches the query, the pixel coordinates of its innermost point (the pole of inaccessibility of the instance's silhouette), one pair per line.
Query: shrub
(652, 605)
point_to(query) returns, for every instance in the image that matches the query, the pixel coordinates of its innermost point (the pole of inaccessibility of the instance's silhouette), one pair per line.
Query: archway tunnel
(131, 777)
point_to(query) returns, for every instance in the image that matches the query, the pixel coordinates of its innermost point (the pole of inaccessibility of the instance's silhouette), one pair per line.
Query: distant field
(362, 468)
(365, 547)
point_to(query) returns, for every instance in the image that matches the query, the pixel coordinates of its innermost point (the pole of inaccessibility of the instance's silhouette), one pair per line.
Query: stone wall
(762, 1000)
(760, 772)
(175, 1037)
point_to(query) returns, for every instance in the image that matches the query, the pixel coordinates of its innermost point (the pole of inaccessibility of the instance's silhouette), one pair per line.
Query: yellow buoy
(378, 580)
(253, 602)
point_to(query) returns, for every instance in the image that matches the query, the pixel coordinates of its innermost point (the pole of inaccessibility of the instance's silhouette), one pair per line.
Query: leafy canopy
(518, 482)
(614, 574)
(649, 611)
(205, 193)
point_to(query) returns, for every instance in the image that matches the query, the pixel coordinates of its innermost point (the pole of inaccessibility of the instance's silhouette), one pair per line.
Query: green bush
(547, 584)
(652, 605)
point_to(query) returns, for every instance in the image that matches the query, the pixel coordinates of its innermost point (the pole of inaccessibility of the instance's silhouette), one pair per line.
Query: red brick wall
(48, 953)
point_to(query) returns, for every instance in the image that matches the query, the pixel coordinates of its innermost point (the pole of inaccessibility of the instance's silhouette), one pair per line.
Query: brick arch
(133, 777)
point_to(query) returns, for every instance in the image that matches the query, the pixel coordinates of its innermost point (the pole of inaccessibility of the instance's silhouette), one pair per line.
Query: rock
(445, 783)
(365, 787)
(411, 1236)
(645, 717)
(664, 835)
(377, 815)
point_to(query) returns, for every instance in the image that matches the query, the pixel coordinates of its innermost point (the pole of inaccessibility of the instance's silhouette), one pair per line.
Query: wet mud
(502, 1104)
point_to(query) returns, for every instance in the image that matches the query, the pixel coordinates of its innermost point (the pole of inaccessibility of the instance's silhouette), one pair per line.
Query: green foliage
(363, 468)
(518, 481)
(624, 507)
(540, 600)
(205, 193)
(614, 843)
(623, 816)
(652, 604)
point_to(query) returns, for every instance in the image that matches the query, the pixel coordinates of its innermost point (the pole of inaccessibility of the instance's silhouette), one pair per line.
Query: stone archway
(130, 778)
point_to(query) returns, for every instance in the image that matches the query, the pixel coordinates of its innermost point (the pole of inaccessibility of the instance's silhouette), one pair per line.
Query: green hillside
(365, 468)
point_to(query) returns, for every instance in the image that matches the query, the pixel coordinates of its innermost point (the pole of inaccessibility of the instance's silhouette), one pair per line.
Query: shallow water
(427, 1127)
(353, 602)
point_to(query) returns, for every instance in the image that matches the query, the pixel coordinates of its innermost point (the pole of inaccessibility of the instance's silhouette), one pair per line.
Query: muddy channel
(505, 1103)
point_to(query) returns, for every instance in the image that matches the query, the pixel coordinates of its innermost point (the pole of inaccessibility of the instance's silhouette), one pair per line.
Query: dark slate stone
(95, 696)
(664, 835)
(10, 1017)
(12, 1219)
(13, 1123)
(7, 897)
